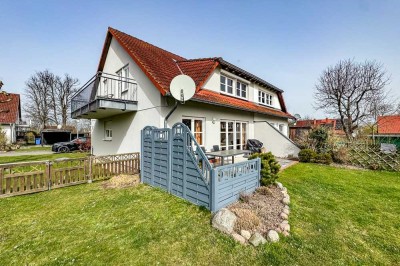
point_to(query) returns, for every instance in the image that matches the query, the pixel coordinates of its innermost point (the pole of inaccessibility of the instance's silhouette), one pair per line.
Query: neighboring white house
(131, 91)
(10, 115)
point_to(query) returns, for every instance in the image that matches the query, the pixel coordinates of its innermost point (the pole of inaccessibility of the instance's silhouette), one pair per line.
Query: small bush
(264, 191)
(340, 155)
(269, 167)
(324, 158)
(307, 155)
(244, 197)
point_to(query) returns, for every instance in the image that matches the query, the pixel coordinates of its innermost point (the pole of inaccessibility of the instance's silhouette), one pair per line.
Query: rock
(278, 229)
(286, 201)
(239, 238)
(286, 207)
(279, 185)
(272, 236)
(284, 189)
(246, 234)
(285, 211)
(224, 220)
(286, 233)
(284, 216)
(257, 239)
(285, 227)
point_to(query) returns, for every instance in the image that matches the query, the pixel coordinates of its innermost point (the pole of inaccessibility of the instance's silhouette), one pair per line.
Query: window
(123, 75)
(196, 126)
(226, 85)
(281, 126)
(233, 135)
(241, 89)
(108, 130)
(264, 98)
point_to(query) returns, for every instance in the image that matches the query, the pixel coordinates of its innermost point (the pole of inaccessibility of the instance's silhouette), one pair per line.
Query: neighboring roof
(10, 108)
(161, 66)
(389, 124)
(335, 124)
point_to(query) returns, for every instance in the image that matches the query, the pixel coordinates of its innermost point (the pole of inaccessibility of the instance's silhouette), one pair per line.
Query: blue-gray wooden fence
(173, 161)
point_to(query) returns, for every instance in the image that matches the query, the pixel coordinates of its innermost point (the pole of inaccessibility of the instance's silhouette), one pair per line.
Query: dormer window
(226, 86)
(264, 98)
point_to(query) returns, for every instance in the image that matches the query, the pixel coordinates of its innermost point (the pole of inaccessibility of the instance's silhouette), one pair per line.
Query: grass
(338, 216)
(42, 157)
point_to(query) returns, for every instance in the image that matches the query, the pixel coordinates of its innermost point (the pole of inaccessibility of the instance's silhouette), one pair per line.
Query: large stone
(257, 239)
(279, 185)
(286, 233)
(285, 227)
(285, 211)
(272, 236)
(239, 238)
(224, 220)
(286, 201)
(284, 216)
(246, 234)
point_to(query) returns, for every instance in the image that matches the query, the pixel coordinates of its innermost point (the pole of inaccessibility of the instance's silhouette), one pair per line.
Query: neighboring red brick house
(389, 125)
(10, 114)
(301, 126)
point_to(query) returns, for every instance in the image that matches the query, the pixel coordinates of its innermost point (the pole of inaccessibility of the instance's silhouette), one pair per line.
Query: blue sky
(287, 43)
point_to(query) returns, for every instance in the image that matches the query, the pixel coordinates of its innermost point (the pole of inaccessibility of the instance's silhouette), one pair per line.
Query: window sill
(107, 139)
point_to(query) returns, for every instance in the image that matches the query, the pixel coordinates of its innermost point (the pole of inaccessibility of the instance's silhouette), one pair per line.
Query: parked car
(80, 143)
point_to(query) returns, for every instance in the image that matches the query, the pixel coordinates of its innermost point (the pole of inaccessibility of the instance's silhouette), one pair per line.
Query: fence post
(90, 177)
(169, 152)
(213, 191)
(1, 180)
(48, 174)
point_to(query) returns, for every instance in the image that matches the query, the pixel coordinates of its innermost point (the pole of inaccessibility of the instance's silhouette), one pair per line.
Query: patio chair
(215, 147)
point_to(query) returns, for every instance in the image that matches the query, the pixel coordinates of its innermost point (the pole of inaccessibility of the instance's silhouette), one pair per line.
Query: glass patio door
(233, 135)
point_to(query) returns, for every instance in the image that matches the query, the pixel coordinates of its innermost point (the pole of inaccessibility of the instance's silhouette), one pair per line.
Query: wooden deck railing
(31, 177)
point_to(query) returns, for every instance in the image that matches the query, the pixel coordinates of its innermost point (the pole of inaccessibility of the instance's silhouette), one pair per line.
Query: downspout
(170, 113)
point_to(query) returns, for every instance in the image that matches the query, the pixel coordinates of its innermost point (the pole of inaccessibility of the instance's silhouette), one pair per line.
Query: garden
(338, 216)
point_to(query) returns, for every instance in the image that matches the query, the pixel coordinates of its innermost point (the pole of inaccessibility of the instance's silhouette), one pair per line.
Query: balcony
(104, 95)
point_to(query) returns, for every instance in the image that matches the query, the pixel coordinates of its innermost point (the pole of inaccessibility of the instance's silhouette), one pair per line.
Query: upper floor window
(123, 75)
(264, 98)
(227, 87)
(108, 130)
(241, 89)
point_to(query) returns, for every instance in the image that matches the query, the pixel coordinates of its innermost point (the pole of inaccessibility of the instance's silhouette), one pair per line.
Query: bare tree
(347, 89)
(38, 104)
(49, 97)
(65, 88)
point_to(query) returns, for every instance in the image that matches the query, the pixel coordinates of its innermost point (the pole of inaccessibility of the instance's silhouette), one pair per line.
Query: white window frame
(242, 143)
(123, 75)
(239, 87)
(108, 130)
(226, 85)
(265, 98)
(192, 127)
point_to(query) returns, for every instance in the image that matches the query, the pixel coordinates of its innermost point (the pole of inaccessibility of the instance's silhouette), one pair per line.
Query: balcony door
(233, 135)
(196, 126)
(123, 85)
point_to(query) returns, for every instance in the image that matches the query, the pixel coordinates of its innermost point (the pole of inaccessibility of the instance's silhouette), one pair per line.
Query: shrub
(307, 155)
(3, 140)
(324, 158)
(269, 167)
(320, 137)
(340, 155)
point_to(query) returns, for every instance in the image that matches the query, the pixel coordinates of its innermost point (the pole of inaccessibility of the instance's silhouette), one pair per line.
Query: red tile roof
(213, 97)
(389, 124)
(10, 110)
(162, 66)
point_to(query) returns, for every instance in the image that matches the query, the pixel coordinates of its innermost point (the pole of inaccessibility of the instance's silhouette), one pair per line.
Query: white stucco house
(10, 115)
(131, 91)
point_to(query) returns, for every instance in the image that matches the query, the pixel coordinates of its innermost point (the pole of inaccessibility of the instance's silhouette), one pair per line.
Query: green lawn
(338, 217)
(34, 148)
(43, 157)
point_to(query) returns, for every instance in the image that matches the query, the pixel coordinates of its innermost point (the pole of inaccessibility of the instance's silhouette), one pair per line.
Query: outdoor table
(227, 153)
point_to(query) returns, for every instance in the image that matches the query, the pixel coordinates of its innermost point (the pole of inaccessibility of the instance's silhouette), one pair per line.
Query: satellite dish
(182, 88)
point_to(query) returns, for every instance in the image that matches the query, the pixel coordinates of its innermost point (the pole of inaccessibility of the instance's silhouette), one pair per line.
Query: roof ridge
(198, 59)
(112, 29)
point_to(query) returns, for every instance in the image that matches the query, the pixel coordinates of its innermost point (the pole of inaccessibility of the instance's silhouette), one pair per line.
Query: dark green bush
(324, 158)
(307, 155)
(269, 167)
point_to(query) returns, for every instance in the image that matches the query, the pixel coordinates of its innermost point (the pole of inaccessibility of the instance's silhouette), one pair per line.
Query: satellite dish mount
(182, 88)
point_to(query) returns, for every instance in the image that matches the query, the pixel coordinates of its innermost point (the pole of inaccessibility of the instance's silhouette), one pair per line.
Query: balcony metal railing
(105, 86)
